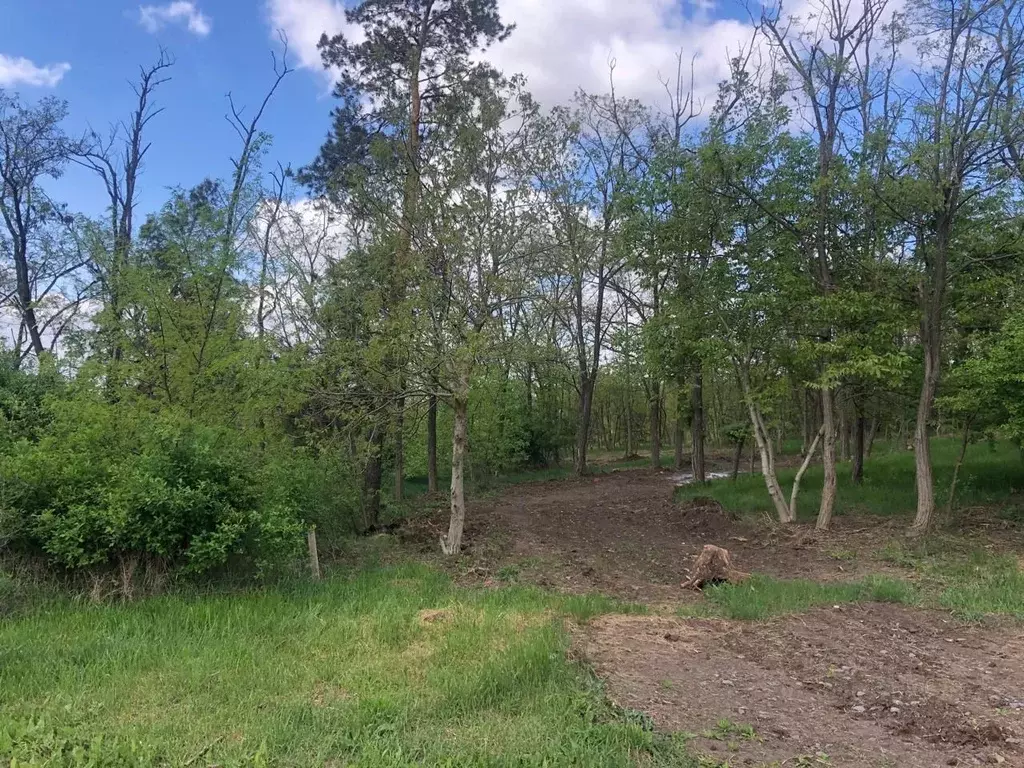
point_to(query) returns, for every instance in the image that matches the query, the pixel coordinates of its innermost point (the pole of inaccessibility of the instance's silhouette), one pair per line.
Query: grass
(992, 475)
(348, 672)
(762, 597)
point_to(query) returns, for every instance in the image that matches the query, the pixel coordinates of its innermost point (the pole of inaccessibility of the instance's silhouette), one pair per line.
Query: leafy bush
(112, 484)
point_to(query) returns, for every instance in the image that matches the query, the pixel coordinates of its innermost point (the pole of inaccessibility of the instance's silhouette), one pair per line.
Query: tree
(33, 148)
(413, 53)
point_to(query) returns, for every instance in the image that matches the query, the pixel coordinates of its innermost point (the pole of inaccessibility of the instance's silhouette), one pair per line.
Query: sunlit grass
(992, 474)
(349, 672)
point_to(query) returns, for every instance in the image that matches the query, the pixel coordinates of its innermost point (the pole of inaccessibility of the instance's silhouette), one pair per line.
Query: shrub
(115, 484)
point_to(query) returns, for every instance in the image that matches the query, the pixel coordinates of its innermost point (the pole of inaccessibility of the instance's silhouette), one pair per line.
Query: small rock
(894, 710)
(728, 682)
(858, 708)
(859, 694)
(996, 759)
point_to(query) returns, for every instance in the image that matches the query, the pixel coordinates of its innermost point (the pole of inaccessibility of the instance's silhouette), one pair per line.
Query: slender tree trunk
(656, 425)
(922, 442)
(678, 437)
(583, 424)
(869, 441)
(432, 444)
(737, 457)
(699, 465)
(372, 474)
(964, 442)
(828, 460)
(800, 473)
(452, 544)
(762, 439)
(400, 449)
(629, 428)
(859, 428)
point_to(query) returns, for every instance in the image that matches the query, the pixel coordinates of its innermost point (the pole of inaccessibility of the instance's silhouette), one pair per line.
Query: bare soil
(862, 685)
(865, 685)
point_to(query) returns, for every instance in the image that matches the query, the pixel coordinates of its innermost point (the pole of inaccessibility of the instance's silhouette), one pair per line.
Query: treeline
(829, 251)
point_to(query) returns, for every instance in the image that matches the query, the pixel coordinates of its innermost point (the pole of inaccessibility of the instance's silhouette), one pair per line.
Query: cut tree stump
(713, 566)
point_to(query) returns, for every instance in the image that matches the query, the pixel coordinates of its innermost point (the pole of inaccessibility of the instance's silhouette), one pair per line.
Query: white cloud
(15, 71)
(155, 17)
(567, 44)
(303, 22)
(564, 45)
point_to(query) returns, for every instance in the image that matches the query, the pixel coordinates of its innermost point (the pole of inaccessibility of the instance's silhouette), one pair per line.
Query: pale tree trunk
(828, 460)
(698, 464)
(800, 473)
(764, 446)
(922, 442)
(656, 425)
(452, 544)
(432, 444)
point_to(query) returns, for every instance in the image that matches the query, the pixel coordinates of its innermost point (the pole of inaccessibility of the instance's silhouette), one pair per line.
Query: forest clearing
(562, 637)
(513, 383)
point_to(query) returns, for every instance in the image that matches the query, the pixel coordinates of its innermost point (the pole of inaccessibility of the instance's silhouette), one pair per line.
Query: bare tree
(33, 148)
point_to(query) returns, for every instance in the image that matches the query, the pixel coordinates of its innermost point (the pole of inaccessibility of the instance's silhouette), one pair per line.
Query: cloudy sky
(87, 53)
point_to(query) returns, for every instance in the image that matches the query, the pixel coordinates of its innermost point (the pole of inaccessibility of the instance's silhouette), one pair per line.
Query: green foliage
(342, 672)
(106, 483)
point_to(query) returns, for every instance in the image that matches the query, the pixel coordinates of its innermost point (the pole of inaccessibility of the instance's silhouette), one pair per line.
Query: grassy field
(397, 666)
(394, 667)
(992, 474)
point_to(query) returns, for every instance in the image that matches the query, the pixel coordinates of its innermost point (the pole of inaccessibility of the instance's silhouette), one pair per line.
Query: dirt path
(859, 686)
(621, 534)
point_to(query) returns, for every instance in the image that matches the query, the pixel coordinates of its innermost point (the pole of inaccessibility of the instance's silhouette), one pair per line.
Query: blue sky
(225, 45)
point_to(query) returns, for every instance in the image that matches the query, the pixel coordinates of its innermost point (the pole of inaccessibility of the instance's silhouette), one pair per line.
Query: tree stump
(713, 566)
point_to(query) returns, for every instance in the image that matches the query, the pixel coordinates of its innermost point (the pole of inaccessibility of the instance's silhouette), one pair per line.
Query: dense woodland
(464, 282)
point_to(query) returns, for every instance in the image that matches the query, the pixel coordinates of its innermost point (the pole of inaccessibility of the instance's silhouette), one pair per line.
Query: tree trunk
(372, 477)
(764, 445)
(828, 460)
(432, 444)
(656, 425)
(452, 544)
(959, 463)
(697, 461)
(922, 443)
(869, 441)
(583, 424)
(678, 437)
(737, 457)
(859, 426)
(400, 449)
(800, 473)
(629, 429)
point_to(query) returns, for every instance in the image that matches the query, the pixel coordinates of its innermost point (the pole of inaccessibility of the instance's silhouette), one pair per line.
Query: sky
(88, 52)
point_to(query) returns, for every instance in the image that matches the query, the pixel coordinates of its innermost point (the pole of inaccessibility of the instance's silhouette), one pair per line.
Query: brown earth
(862, 685)
(868, 686)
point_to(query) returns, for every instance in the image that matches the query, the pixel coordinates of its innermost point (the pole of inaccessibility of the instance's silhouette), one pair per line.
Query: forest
(813, 280)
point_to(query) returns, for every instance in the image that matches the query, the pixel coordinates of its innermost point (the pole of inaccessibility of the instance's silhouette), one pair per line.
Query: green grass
(343, 673)
(762, 597)
(992, 474)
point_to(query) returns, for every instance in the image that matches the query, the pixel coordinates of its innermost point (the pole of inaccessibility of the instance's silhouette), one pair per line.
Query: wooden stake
(314, 556)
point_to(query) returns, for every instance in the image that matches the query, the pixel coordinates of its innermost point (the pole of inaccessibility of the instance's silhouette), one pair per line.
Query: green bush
(112, 484)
